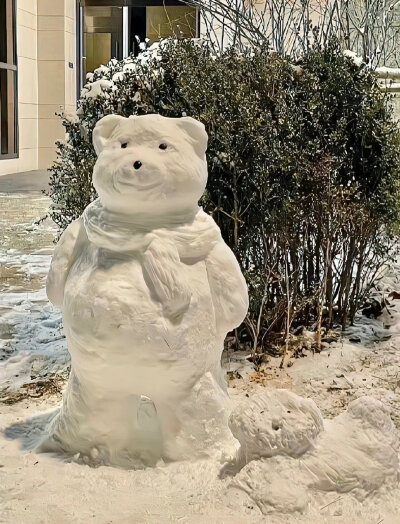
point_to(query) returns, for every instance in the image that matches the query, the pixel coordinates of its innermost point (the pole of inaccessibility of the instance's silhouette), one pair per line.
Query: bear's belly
(118, 336)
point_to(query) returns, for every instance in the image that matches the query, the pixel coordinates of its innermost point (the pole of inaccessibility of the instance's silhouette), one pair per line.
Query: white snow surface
(335, 456)
(32, 345)
(38, 346)
(393, 72)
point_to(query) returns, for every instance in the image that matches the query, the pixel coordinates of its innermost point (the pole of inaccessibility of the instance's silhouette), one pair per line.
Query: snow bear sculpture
(148, 291)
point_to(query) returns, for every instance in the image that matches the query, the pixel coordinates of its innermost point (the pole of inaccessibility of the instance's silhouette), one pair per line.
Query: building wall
(27, 89)
(56, 80)
(46, 83)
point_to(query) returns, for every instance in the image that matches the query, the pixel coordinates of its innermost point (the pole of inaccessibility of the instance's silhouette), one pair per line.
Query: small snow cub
(148, 291)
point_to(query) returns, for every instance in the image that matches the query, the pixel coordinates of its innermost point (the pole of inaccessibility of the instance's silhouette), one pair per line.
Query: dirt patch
(51, 386)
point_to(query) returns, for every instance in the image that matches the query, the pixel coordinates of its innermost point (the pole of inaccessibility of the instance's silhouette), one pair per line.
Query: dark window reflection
(8, 81)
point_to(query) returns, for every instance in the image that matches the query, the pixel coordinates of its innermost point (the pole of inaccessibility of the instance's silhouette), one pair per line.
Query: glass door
(156, 22)
(113, 28)
(102, 36)
(163, 21)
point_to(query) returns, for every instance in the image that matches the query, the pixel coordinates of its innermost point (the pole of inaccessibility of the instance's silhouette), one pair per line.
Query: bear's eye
(163, 146)
(124, 145)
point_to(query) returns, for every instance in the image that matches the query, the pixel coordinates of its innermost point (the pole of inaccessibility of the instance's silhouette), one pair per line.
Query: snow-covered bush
(303, 168)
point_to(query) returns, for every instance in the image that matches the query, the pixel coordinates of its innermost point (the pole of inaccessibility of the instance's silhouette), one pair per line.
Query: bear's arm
(165, 275)
(66, 252)
(228, 288)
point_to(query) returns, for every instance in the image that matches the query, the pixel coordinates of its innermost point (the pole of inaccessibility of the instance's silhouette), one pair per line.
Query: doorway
(112, 29)
(102, 36)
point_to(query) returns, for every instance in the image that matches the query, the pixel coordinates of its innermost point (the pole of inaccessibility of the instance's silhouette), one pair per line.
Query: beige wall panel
(70, 50)
(50, 23)
(46, 156)
(27, 81)
(49, 110)
(51, 82)
(27, 110)
(69, 8)
(70, 26)
(27, 161)
(28, 5)
(26, 42)
(51, 7)
(50, 130)
(51, 45)
(9, 166)
(28, 133)
(26, 19)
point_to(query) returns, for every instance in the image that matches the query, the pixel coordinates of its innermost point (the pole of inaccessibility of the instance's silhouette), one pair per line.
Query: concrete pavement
(28, 182)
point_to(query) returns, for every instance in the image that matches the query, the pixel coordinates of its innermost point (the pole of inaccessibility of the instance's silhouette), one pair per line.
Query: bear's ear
(103, 130)
(196, 131)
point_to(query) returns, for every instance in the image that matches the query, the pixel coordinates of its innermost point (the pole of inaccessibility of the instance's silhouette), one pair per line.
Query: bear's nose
(137, 164)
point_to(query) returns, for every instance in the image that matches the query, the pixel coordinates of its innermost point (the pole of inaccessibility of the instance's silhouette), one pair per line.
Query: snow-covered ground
(354, 457)
(32, 346)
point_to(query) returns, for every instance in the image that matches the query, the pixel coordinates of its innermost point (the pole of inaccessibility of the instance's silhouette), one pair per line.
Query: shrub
(303, 169)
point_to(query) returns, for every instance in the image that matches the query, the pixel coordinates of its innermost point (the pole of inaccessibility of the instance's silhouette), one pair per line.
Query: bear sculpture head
(150, 164)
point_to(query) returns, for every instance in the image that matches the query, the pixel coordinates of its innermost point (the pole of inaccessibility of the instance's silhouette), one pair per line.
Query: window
(111, 28)
(102, 36)
(163, 21)
(8, 81)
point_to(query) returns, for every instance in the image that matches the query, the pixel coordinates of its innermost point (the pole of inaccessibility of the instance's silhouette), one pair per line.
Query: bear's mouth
(139, 187)
(137, 183)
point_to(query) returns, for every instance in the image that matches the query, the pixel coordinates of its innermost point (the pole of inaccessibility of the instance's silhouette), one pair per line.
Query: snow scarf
(193, 239)
(184, 238)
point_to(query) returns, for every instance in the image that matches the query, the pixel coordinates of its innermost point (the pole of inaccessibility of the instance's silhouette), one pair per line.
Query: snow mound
(275, 422)
(358, 451)
(271, 484)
